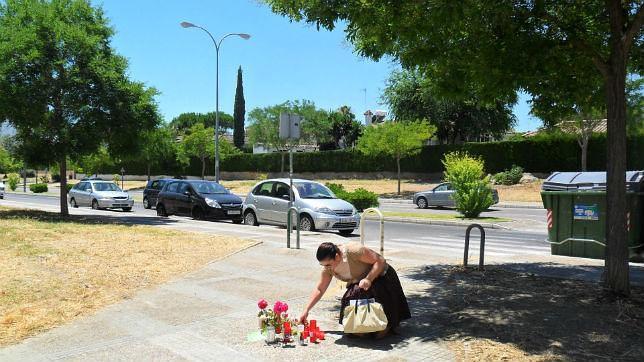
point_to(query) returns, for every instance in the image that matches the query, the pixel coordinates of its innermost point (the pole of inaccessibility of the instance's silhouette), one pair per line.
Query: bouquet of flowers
(276, 318)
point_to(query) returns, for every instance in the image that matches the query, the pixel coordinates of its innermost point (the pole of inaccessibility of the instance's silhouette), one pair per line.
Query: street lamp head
(186, 24)
(244, 36)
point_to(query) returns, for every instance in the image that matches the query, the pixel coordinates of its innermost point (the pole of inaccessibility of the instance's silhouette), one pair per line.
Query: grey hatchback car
(99, 195)
(441, 195)
(319, 208)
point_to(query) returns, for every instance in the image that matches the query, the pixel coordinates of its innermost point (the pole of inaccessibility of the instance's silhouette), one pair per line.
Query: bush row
(541, 154)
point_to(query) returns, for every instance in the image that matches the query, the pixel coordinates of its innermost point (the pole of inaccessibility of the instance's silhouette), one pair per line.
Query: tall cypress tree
(239, 112)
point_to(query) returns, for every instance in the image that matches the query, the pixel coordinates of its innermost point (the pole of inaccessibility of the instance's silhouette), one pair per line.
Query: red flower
(262, 304)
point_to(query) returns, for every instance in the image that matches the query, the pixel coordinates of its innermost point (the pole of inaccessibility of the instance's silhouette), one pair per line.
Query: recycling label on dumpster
(586, 212)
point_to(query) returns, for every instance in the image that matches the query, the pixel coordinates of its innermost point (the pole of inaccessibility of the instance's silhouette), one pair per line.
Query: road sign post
(290, 131)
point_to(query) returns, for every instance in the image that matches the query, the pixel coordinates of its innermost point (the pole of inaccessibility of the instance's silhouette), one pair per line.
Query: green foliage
(38, 188)
(239, 112)
(183, 122)
(157, 145)
(44, 179)
(116, 178)
(69, 187)
(473, 193)
(361, 198)
(509, 177)
(97, 162)
(13, 180)
(411, 95)
(395, 139)
(344, 129)
(197, 143)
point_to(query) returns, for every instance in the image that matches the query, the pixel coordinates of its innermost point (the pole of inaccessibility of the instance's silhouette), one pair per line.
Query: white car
(99, 194)
(1, 190)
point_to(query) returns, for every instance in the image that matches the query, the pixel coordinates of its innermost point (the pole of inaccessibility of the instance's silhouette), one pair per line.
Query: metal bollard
(366, 212)
(289, 227)
(467, 244)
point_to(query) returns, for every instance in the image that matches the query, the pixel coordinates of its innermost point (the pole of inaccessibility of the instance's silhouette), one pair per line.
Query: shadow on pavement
(53, 217)
(514, 310)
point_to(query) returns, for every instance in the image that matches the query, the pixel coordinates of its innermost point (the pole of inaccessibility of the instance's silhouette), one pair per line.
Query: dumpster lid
(590, 181)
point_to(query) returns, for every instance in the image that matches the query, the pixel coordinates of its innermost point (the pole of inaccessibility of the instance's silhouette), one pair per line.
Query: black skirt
(387, 291)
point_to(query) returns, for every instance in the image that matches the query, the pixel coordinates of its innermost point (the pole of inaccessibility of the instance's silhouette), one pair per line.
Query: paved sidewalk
(208, 314)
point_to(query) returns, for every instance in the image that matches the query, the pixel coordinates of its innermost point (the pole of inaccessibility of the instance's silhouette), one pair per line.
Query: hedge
(539, 154)
(38, 188)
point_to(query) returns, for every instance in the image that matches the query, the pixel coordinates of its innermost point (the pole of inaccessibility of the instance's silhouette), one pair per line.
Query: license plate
(346, 220)
(234, 212)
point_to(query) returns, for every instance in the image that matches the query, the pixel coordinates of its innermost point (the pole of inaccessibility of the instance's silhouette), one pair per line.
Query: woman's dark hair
(326, 251)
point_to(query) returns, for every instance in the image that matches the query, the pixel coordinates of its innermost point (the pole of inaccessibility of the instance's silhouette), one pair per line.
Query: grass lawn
(54, 269)
(420, 215)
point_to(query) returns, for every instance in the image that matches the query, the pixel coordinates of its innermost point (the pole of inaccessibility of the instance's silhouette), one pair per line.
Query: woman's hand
(303, 318)
(365, 284)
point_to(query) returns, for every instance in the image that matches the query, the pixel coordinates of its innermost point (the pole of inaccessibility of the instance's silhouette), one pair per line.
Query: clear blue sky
(282, 60)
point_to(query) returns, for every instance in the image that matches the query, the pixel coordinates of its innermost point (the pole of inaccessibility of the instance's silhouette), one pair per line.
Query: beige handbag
(364, 316)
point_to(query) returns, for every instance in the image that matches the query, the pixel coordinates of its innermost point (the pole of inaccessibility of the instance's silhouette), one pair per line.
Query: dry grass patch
(53, 269)
(530, 192)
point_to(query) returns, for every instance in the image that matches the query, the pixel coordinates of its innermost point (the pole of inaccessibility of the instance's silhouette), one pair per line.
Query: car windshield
(106, 186)
(208, 188)
(311, 190)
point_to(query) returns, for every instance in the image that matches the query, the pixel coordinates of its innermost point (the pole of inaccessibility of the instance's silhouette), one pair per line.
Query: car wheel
(146, 203)
(346, 232)
(197, 213)
(250, 219)
(421, 202)
(306, 223)
(161, 211)
(95, 205)
(238, 221)
(73, 203)
(127, 209)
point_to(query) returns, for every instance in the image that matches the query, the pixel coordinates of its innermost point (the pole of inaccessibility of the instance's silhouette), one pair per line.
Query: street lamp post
(217, 46)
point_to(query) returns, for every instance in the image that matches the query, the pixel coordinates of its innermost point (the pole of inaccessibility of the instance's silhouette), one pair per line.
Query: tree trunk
(584, 154)
(63, 186)
(398, 165)
(616, 269)
(203, 168)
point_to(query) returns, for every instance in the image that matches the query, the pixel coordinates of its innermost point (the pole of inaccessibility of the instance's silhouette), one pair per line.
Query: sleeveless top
(351, 269)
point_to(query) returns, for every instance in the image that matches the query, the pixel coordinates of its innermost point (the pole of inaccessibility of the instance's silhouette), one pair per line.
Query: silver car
(441, 195)
(319, 208)
(99, 195)
(1, 190)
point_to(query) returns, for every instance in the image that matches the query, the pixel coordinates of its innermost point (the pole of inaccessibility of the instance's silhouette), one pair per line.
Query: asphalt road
(439, 240)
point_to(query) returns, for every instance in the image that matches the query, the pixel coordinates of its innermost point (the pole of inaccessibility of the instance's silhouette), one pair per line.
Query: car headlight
(325, 210)
(355, 211)
(213, 203)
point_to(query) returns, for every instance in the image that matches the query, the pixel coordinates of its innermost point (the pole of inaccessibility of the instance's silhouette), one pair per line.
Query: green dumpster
(575, 204)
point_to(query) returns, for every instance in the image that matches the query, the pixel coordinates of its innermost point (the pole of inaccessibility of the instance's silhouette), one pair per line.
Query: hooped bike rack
(467, 244)
(289, 227)
(363, 217)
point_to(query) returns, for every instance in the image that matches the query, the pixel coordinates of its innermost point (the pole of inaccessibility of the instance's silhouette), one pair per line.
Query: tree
(395, 139)
(198, 143)
(472, 191)
(183, 122)
(635, 105)
(411, 95)
(582, 125)
(97, 162)
(495, 48)
(63, 87)
(345, 130)
(157, 145)
(239, 112)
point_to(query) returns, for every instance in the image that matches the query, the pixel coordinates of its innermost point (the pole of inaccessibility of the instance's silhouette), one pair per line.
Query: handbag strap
(360, 302)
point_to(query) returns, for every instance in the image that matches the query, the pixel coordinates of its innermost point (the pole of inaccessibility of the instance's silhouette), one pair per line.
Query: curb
(30, 194)
(503, 205)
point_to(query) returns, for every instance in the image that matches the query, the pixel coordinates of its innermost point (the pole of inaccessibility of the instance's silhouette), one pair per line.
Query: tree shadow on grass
(537, 314)
(52, 217)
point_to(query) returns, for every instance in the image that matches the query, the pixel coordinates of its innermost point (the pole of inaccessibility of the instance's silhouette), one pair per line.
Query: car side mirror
(88, 190)
(187, 193)
(286, 197)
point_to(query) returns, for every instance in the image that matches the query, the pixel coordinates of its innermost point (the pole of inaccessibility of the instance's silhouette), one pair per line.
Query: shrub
(473, 193)
(509, 177)
(116, 178)
(44, 179)
(38, 188)
(13, 181)
(69, 187)
(360, 198)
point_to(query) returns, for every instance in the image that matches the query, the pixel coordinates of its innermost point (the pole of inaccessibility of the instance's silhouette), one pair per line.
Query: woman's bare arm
(318, 292)
(371, 257)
